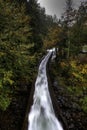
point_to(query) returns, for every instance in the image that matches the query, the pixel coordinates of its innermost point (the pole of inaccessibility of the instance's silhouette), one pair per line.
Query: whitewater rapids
(42, 116)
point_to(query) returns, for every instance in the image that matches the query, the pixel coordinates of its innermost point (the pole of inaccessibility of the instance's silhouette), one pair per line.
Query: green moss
(4, 102)
(84, 104)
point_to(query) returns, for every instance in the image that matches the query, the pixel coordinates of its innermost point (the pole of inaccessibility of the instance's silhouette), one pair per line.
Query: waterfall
(42, 116)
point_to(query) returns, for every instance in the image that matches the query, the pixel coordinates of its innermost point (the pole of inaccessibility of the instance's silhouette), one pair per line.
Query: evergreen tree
(67, 20)
(15, 33)
(37, 17)
(81, 18)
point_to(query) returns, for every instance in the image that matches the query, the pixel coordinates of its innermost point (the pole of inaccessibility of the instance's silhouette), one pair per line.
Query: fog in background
(56, 6)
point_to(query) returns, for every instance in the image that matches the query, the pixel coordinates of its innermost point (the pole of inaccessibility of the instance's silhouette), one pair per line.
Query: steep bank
(75, 117)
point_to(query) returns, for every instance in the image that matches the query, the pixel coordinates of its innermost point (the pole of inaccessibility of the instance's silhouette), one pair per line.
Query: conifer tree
(68, 18)
(15, 33)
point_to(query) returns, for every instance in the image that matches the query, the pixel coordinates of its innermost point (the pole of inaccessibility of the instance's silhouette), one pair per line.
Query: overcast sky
(55, 6)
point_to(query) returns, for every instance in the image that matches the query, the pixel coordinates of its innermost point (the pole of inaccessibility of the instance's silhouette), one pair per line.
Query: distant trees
(81, 16)
(40, 23)
(68, 15)
(73, 23)
(67, 19)
(81, 19)
(53, 37)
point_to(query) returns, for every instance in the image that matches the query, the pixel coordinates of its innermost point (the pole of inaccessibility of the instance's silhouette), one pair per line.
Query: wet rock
(71, 127)
(70, 109)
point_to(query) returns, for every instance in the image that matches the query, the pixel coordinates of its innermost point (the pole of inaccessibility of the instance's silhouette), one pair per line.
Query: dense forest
(26, 32)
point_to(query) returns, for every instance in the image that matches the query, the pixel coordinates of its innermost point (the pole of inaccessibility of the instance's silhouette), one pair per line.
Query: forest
(26, 32)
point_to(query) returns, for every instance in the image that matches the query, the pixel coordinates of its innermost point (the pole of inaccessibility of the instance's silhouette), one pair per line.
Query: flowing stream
(42, 116)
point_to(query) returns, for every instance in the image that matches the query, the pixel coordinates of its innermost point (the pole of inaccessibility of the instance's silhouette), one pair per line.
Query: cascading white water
(41, 116)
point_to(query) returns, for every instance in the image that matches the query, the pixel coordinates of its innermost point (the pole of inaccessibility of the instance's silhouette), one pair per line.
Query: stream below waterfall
(42, 116)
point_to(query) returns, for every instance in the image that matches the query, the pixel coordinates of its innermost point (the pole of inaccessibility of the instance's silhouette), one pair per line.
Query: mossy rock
(84, 49)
